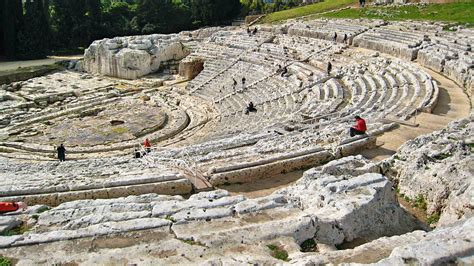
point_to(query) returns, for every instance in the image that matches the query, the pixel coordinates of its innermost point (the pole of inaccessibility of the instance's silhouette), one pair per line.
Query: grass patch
(5, 261)
(471, 146)
(43, 209)
(192, 242)
(458, 13)
(16, 231)
(442, 156)
(119, 130)
(420, 202)
(434, 218)
(396, 157)
(305, 10)
(278, 252)
(170, 218)
(309, 245)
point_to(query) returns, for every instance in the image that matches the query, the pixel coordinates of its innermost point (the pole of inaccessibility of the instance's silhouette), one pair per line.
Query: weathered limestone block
(437, 169)
(418, 247)
(132, 57)
(190, 68)
(254, 170)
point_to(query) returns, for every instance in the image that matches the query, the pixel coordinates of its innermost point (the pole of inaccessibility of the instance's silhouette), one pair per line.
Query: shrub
(434, 218)
(309, 245)
(278, 252)
(420, 202)
(170, 218)
(5, 261)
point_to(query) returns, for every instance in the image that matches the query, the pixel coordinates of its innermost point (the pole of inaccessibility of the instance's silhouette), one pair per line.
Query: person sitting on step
(359, 128)
(250, 108)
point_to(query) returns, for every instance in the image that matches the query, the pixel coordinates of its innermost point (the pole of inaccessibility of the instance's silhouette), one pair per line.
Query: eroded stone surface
(437, 169)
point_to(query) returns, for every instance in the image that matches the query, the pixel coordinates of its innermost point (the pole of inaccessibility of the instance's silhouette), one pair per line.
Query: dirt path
(12, 65)
(453, 104)
(263, 187)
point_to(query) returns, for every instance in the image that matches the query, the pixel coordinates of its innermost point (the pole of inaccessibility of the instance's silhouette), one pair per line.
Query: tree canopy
(33, 28)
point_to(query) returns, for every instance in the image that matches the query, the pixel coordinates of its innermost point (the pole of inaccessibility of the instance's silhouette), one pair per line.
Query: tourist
(147, 146)
(285, 70)
(243, 82)
(359, 128)
(250, 108)
(137, 154)
(254, 31)
(61, 153)
(329, 68)
(12, 206)
(345, 38)
(235, 82)
(249, 31)
(335, 36)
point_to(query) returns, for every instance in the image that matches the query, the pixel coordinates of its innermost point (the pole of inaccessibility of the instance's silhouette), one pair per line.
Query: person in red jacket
(147, 145)
(359, 128)
(12, 206)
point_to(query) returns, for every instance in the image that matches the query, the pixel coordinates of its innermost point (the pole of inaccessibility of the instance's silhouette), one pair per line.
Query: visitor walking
(243, 82)
(329, 68)
(359, 128)
(61, 153)
(335, 37)
(12, 206)
(285, 70)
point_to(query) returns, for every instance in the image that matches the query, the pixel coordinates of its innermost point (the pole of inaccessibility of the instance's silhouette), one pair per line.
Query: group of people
(251, 32)
(234, 83)
(61, 150)
(147, 149)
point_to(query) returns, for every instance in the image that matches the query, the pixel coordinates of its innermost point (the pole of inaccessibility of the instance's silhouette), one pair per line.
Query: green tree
(11, 17)
(32, 37)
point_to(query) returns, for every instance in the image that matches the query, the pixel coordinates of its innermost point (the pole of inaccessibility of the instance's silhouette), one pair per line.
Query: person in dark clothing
(285, 70)
(345, 38)
(359, 128)
(235, 83)
(137, 154)
(243, 81)
(329, 68)
(61, 153)
(249, 31)
(335, 36)
(250, 108)
(254, 31)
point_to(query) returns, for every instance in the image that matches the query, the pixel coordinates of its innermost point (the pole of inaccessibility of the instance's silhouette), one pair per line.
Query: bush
(434, 218)
(278, 252)
(309, 245)
(420, 202)
(5, 261)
